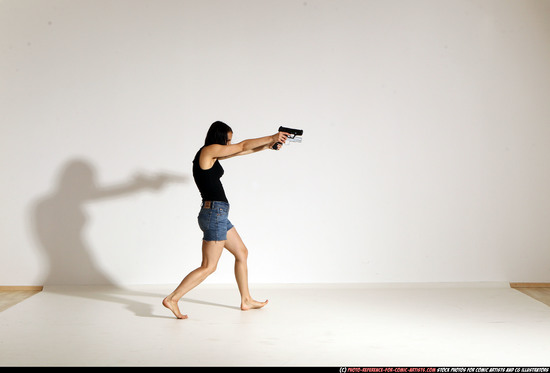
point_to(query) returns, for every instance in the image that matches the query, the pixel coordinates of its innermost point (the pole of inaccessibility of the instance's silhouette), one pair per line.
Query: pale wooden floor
(540, 294)
(10, 298)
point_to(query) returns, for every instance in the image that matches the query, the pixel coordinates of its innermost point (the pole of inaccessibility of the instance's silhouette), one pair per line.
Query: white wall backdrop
(425, 155)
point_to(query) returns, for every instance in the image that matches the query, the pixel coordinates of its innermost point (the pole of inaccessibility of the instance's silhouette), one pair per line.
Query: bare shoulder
(206, 161)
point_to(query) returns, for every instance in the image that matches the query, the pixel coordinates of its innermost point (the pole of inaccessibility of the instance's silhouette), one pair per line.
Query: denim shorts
(214, 221)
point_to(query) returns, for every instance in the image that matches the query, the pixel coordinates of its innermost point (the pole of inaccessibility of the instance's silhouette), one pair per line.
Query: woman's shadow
(59, 220)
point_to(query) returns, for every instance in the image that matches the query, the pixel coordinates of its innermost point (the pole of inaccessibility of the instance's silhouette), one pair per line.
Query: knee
(209, 268)
(242, 254)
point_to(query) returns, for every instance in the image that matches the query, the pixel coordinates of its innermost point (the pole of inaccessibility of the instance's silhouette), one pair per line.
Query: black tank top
(208, 181)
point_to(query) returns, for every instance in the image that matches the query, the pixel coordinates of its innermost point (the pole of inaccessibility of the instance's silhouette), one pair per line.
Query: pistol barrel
(292, 131)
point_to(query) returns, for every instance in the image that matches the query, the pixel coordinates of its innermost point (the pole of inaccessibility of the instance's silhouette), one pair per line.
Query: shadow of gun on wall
(59, 220)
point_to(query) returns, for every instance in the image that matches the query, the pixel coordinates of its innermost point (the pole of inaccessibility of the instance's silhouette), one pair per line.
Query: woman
(218, 232)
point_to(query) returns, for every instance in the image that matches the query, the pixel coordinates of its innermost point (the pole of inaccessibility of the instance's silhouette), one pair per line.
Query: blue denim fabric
(214, 221)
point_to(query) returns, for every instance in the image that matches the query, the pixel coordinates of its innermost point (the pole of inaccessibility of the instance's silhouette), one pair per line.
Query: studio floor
(303, 325)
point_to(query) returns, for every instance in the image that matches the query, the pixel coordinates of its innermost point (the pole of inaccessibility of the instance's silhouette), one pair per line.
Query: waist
(215, 205)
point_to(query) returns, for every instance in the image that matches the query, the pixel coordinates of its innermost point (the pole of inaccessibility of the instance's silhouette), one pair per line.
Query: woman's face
(229, 137)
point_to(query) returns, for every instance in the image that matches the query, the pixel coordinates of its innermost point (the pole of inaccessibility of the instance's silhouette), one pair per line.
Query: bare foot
(173, 306)
(252, 304)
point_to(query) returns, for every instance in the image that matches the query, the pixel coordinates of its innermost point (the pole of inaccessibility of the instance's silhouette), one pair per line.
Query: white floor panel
(303, 325)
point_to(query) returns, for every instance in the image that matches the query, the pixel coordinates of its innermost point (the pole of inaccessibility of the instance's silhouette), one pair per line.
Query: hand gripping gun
(294, 136)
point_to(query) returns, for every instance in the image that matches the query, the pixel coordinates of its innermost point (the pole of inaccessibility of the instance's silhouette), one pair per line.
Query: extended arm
(249, 150)
(249, 146)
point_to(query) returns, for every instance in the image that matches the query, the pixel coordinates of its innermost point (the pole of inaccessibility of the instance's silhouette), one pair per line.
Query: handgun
(294, 136)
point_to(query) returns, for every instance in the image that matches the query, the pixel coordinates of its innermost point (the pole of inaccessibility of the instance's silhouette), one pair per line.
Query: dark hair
(217, 134)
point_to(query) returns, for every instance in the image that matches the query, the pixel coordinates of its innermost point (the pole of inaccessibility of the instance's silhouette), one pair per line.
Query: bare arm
(212, 152)
(250, 151)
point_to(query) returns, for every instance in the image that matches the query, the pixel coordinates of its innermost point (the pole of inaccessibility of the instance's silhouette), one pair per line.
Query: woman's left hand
(277, 146)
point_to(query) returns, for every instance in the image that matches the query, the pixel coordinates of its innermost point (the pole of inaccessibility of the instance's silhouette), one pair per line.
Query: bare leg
(211, 252)
(236, 246)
